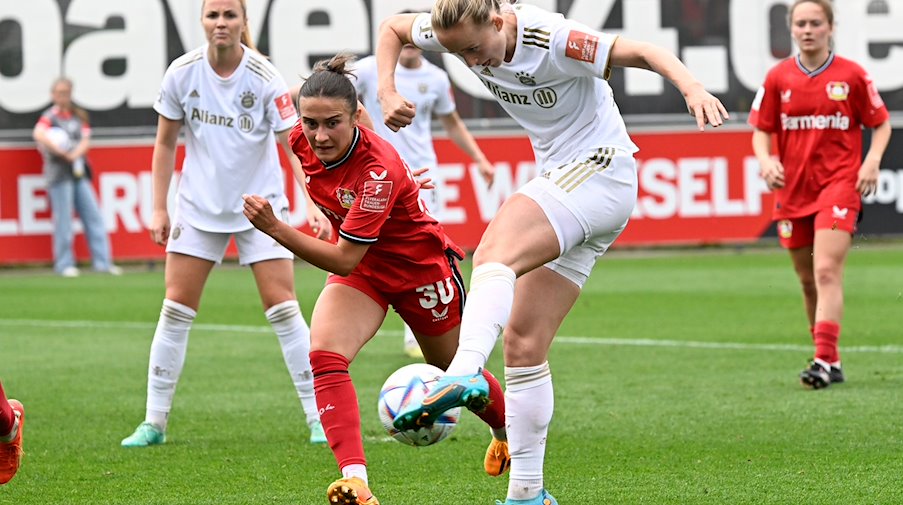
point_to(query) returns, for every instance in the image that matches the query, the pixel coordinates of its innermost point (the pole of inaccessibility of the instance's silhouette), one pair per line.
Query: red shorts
(431, 309)
(800, 232)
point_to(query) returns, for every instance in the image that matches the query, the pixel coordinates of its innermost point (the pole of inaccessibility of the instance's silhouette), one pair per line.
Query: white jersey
(428, 88)
(554, 85)
(230, 147)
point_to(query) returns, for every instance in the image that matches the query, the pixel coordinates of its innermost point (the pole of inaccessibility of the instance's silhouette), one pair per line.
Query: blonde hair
(825, 5)
(448, 13)
(246, 37)
(78, 111)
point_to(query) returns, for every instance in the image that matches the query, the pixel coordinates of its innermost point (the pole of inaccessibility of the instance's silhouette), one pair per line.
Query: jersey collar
(812, 73)
(343, 159)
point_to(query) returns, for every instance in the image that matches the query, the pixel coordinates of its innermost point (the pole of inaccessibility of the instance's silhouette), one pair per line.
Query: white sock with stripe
(167, 357)
(529, 401)
(294, 338)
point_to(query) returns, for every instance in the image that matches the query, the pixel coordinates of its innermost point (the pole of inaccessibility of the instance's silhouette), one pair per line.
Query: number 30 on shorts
(433, 294)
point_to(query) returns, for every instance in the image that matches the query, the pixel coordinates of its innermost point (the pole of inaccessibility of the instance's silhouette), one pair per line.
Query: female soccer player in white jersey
(550, 74)
(231, 99)
(816, 104)
(429, 88)
(389, 251)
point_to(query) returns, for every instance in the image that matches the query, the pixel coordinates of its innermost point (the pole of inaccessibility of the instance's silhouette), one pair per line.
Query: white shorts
(253, 245)
(588, 201)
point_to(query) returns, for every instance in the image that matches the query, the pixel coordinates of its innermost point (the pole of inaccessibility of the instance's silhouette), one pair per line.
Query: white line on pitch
(562, 339)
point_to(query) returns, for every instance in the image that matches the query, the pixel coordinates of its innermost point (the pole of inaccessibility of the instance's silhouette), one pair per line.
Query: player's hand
(773, 172)
(318, 222)
(397, 112)
(159, 228)
(705, 108)
(487, 172)
(867, 181)
(260, 213)
(424, 182)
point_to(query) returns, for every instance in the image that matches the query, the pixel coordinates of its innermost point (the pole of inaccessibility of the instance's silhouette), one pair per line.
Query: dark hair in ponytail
(330, 79)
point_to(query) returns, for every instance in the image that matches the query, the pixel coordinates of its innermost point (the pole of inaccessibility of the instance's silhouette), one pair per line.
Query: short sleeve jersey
(554, 86)
(818, 118)
(230, 147)
(57, 169)
(371, 197)
(428, 87)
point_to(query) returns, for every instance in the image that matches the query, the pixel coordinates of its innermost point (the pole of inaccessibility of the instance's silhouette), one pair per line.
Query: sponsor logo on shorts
(785, 228)
(176, 232)
(838, 213)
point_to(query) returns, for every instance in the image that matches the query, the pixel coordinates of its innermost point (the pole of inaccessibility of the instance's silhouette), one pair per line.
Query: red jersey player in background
(389, 251)
(12, 420)
(816, 104)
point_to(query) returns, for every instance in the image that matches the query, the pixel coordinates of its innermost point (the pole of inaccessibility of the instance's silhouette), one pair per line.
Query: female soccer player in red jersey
(816, 104)
(389, 251)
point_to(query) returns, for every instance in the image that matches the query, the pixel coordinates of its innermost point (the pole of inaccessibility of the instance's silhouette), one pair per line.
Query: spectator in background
(429, 89)
(231, 100)
(816, 104)
(63, 135)
(12, 420)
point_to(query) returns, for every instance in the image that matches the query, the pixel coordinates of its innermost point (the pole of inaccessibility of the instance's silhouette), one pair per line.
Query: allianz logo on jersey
(543, 97)
(245, 121)
(813, 122)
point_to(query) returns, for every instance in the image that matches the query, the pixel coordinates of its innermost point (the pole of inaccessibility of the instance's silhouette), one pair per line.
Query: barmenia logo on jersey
(836, 122)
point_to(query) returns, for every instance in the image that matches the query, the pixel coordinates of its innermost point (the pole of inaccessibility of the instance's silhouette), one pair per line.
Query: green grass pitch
(675, 383)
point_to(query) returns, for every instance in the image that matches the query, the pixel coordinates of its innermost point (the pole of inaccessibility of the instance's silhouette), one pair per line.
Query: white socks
(485, 316)
(294, 338)
(167, 357)
(529, 401)
(359, 471)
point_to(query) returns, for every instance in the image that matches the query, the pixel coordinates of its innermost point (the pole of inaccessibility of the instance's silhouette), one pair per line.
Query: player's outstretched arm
(700, 103)
(394, 33)
(339, 258)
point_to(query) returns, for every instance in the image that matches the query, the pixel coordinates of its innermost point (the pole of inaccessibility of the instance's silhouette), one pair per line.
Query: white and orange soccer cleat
(350, 491)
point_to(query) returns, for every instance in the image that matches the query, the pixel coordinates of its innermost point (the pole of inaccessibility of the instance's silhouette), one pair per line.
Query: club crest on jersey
(247, 99)
(581, 46)
(346, 197)
(423, 88)
(838, 90)
(376, 196)
(525, 78)
(785, 228)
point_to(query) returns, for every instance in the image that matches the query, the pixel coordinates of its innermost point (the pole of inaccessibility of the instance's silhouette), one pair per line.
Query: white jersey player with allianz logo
(230, 100)
(549, 74)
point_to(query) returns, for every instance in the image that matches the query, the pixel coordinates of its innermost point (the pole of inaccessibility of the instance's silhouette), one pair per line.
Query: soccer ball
(408, 384)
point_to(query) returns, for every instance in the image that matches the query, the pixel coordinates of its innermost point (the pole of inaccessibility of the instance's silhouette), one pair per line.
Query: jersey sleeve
(422, 34)
(766, 106)
(581, 51)
(871, 107)
(364, 75)
(377, 190)
(445, 101)
(167, 103)
(280, 110)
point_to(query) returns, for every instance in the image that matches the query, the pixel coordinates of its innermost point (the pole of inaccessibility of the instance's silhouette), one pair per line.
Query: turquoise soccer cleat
(146, 434)
(471, 391)
(544, 498)
(317, 435)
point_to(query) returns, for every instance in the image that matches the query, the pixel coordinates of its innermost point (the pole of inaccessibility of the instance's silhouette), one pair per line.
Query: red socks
(339, 411)
(826, 335)
(494, 415)
(7, 416)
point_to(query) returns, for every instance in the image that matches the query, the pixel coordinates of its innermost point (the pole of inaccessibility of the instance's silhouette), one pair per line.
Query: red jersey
(818, 118)
(371, 197)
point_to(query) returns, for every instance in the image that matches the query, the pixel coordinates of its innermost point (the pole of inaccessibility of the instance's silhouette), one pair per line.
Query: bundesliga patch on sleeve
(376, 196)
(581, 46)
(285, 106)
